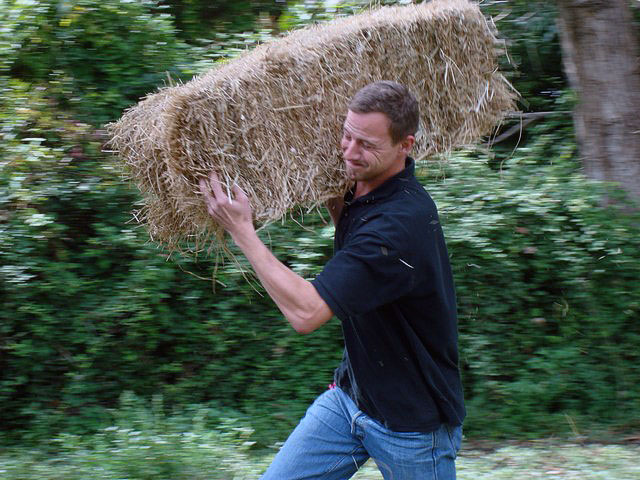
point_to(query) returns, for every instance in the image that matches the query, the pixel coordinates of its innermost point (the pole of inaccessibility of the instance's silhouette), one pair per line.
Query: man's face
(368, 151)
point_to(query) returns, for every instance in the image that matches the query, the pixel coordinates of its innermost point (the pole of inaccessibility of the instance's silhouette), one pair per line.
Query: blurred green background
(98, 326)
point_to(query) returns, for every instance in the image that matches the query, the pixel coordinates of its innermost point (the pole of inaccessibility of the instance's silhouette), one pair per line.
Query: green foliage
(101, 56)
(547, 291)
(300, 14)
(143, 443)
(533, 62)
(197, 20)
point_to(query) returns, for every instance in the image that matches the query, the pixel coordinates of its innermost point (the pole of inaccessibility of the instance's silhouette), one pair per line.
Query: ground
(542, 460)
(134, 456)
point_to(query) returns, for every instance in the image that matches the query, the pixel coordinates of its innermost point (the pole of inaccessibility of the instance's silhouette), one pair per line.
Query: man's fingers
(228, 207)
(204, 188)
(222, 202)
(209, 199)
(216, 187)
(239, 194)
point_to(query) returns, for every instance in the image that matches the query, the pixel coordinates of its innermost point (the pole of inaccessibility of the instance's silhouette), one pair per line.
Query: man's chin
(354, 174)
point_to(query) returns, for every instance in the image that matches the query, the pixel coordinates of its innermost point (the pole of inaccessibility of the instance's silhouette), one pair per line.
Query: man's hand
(231, 210)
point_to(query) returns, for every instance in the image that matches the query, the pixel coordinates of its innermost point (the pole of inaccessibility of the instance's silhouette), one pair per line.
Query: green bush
(547, 291)
(143, 443)
(102, 56)
(197, 20)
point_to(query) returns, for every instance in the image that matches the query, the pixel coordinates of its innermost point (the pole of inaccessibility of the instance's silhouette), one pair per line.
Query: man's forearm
(296, 298)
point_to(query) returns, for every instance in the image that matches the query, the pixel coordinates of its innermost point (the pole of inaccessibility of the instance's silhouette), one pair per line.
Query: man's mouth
(352, 163)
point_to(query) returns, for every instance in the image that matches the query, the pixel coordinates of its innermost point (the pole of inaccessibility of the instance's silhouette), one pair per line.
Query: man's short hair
(395, 101)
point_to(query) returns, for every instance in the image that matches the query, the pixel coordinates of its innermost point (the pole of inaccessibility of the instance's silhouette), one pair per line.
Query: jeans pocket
(455, 437)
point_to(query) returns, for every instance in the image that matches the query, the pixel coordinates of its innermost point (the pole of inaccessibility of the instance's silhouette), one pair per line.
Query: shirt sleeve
(371, 270)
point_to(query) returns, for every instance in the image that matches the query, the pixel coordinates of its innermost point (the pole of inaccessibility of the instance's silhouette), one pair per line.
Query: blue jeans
(334, 439)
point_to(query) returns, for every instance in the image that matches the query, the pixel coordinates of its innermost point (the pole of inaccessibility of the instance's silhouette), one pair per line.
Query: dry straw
(271, 119)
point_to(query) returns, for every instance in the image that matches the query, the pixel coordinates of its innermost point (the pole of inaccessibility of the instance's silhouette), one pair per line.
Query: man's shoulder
(403, 218)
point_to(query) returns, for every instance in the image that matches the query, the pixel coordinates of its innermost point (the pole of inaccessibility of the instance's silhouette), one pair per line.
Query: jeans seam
(434, 445)
(339, 461)
(353, 422)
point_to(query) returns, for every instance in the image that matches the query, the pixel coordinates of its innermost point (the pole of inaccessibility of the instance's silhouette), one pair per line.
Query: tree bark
(600, 56)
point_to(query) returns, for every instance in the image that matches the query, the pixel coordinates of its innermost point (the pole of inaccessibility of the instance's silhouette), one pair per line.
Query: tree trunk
(600, 55)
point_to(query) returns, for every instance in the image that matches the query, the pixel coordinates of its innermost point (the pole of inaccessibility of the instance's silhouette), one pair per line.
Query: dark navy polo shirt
(390, 284)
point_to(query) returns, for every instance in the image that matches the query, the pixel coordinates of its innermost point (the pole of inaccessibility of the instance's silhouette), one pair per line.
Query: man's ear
(407, 144)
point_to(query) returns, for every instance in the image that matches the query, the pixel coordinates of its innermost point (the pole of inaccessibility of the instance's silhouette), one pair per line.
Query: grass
(144, 443)
(546, 460)
(196, 457)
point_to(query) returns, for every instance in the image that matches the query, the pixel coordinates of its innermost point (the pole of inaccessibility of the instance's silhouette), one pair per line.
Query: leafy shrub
(547, 294)
(196, 20)
(103, 55)
(143, 443)
(533, 63)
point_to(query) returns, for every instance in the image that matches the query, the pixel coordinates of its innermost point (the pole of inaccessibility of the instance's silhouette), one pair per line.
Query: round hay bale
(271, 120)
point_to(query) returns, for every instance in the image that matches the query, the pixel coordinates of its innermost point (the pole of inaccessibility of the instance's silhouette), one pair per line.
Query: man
(397, 395)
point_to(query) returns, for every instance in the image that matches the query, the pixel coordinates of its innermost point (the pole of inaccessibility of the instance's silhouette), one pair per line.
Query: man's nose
(350, 149)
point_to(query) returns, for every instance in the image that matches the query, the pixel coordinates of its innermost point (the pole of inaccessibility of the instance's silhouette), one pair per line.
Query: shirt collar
(390, 186)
